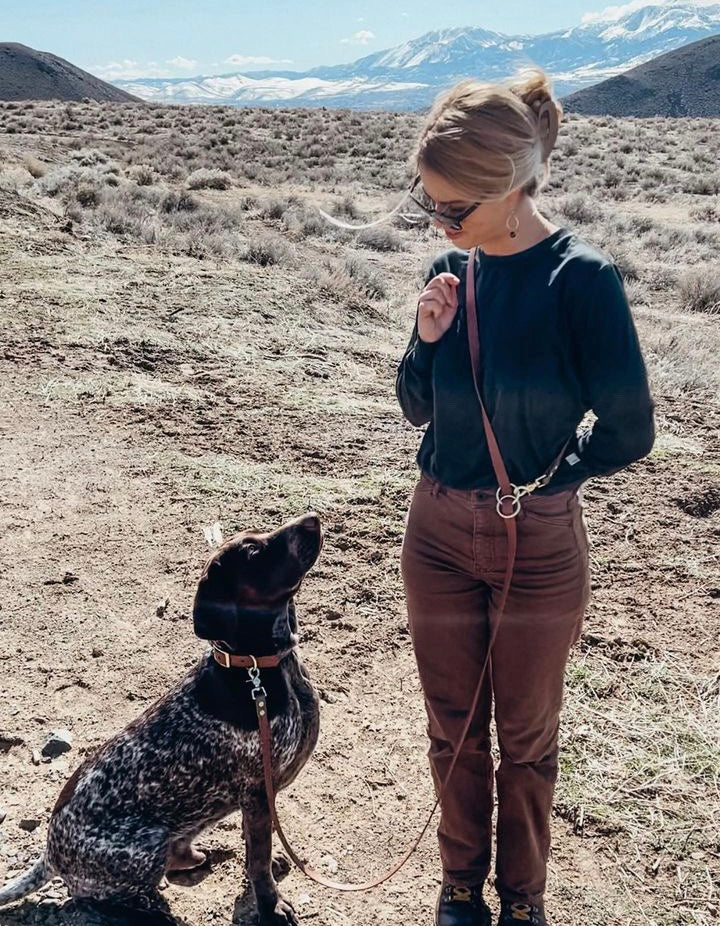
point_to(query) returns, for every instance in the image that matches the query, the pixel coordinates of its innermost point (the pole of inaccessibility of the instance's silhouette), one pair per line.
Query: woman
(557, 339)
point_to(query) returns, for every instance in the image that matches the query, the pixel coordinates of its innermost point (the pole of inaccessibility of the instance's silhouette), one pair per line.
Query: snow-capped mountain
(409, 76)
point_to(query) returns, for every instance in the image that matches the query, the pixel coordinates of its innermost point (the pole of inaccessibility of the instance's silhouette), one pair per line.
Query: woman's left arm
(614, 381)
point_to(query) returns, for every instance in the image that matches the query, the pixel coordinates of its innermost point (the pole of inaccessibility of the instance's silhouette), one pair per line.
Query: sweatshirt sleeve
(614, 381)
(413, 385)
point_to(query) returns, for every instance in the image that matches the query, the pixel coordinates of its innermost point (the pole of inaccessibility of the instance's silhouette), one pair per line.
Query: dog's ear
(215, 599)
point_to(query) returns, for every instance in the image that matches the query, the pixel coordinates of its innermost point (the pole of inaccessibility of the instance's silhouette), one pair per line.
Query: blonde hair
(488, 139)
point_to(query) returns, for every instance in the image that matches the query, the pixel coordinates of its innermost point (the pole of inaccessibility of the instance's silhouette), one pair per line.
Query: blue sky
(118, 39)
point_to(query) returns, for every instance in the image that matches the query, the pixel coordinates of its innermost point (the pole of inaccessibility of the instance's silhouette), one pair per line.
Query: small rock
(162, 607)
(97, 652)
(29, 824)
(60, 741)
(330, 863)
(36, 757)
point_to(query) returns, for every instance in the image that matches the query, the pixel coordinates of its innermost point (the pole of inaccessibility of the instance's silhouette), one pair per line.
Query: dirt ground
(145, 396)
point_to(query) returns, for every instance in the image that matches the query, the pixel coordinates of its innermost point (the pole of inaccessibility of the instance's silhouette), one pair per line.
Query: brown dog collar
(233, 661)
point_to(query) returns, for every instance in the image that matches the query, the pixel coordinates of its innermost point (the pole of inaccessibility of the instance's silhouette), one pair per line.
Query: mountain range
(409, 76)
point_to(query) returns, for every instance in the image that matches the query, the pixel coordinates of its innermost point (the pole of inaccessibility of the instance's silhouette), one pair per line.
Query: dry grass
(640, 757)
(239, 188)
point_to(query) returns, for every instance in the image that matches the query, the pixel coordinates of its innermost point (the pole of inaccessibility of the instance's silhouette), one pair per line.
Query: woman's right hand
(437, 306)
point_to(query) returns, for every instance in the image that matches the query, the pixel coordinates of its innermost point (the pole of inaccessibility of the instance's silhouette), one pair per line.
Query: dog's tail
(33, 879)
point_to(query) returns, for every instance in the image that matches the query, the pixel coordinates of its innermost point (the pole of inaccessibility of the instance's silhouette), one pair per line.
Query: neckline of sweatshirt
(534, 251)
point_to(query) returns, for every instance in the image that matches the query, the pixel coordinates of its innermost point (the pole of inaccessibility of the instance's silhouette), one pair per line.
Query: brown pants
(453, 563)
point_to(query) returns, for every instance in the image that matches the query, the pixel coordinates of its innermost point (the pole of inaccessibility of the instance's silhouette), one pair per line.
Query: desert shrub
(248, 201)
(613, 177)
(577, 207)
(268, 250)
(666, 238)
(208, 178)
(302, 220)
(87, 196)
(89, 157)
(380, 238)
(708, 213)
(142, 174)
(703, 186)
(626, 262)
(365, 276)
(13, 179)
(123, 214)
(346, 207)
(35, 168)
(181, 201)
(700, 289)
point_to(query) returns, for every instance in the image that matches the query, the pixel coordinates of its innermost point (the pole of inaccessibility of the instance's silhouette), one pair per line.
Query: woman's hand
(437, 306)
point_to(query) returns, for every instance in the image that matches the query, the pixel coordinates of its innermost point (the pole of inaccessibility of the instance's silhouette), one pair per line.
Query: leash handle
(505, 507)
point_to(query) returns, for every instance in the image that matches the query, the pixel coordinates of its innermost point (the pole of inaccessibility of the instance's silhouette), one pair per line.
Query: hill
(684, 82)
(27, 74)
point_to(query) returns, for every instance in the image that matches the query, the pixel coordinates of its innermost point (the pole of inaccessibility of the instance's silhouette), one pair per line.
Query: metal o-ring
(515, 506)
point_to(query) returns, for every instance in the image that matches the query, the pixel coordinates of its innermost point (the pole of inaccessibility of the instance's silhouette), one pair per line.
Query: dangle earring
(512, 223)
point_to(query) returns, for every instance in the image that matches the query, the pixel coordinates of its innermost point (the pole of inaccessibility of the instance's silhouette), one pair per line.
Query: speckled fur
(191, 759)
(171, 774)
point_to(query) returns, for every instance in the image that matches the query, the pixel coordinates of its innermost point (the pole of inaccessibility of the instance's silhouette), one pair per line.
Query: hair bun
(548, 125)
(534, 89)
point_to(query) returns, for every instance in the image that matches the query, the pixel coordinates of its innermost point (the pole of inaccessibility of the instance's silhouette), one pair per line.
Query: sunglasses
(452, 218)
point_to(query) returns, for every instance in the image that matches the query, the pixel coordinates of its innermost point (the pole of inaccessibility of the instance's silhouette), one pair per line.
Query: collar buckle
(222, 657)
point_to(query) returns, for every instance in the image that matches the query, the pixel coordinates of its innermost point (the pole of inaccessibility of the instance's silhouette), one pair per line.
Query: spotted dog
(130, 813)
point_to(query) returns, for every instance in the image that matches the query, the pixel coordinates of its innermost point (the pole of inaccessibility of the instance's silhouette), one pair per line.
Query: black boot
(515, 914)
(461, 906)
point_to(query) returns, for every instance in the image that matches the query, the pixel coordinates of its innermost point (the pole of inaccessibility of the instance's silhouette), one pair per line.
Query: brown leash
(508, 506)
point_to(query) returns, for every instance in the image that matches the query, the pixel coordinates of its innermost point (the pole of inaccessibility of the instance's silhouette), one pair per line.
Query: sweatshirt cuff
(423, 353)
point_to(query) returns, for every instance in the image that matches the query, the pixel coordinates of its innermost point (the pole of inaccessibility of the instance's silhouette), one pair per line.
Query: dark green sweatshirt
(557, 339)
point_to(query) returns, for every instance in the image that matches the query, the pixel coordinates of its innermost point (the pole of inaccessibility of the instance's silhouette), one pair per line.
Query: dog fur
(130, 813)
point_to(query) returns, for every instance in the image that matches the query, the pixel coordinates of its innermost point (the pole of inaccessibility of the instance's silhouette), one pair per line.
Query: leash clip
(257, 690)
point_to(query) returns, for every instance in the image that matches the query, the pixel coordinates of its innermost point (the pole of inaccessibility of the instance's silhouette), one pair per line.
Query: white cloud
(359, 38)
(185, 64)
(128, 69)
(245, 61)
(613, 13)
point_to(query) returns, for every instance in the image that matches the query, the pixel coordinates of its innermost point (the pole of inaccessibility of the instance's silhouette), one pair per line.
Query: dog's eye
(251, 548)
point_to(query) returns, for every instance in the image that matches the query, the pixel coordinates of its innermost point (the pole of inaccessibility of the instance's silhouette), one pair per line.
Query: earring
(513, 223)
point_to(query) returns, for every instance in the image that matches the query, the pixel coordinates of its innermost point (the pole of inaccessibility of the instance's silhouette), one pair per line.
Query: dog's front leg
(273, 909)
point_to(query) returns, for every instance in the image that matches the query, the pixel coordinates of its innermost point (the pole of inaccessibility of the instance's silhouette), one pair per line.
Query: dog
(130, 813)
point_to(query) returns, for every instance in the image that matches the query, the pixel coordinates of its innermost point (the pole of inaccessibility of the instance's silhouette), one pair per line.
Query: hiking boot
(461, 906)
(515, 914)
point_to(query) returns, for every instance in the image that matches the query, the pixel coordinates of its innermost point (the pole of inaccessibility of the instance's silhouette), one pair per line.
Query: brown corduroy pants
(453, 562)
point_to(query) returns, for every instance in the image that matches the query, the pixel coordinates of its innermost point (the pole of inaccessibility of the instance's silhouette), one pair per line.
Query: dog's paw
(283, 914)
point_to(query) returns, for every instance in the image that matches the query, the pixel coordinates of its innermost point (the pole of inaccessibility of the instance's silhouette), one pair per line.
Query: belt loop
(435, 489)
